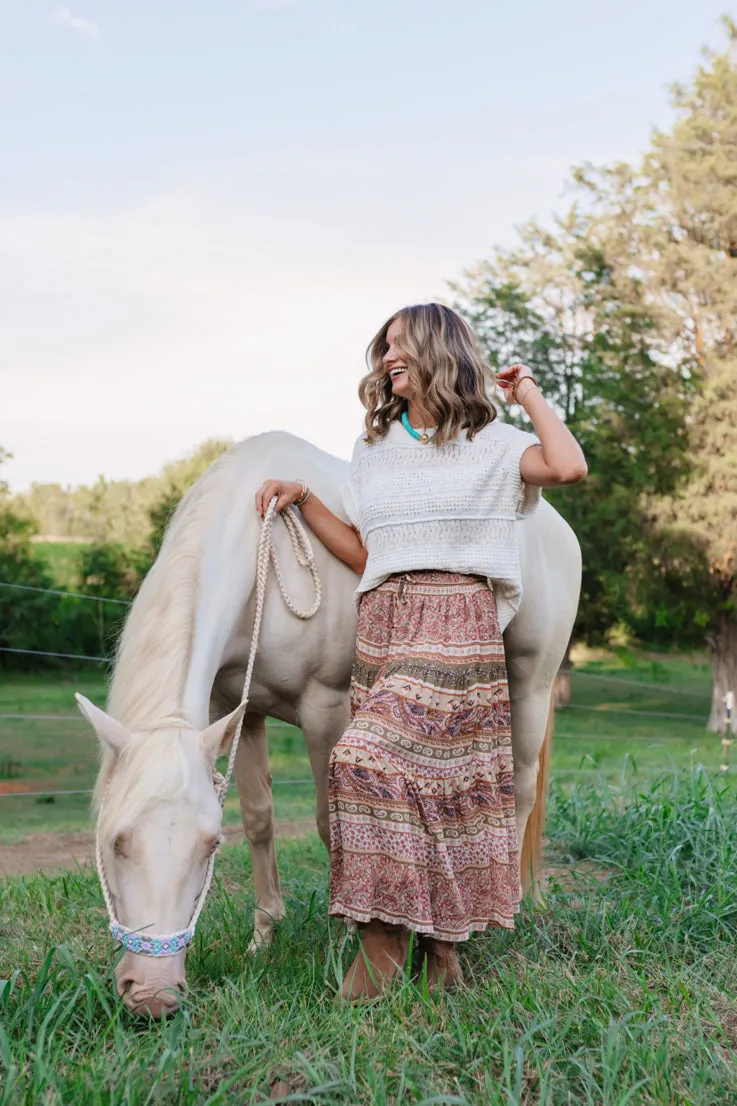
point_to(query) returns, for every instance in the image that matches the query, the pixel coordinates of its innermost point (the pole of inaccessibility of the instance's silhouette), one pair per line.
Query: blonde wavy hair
(446, 366)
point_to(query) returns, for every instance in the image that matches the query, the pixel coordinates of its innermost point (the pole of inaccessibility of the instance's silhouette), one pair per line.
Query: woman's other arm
(339, 537)
(559, 458)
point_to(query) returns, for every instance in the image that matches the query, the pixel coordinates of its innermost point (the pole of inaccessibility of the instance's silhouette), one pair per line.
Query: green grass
(620, 993)
(61, 755)
(623, 706)
(597, 734)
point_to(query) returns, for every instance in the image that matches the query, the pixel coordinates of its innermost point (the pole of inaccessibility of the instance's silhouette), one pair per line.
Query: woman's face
(395, 362)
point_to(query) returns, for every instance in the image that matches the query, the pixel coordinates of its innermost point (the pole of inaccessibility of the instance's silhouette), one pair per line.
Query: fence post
(727, 738)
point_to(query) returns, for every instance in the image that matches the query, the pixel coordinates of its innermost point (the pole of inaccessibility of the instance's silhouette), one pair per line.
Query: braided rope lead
(306, 558)
(157, 945)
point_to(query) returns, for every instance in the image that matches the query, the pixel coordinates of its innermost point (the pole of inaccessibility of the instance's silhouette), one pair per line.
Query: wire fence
(69, 594)
(50, 653)
(640, 713)
(89, 790)
(641, 685)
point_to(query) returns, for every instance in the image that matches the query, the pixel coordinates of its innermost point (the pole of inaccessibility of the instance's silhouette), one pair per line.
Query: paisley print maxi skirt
(421, 784)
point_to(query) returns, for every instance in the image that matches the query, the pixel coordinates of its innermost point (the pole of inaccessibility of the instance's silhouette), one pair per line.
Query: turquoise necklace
(423, 437)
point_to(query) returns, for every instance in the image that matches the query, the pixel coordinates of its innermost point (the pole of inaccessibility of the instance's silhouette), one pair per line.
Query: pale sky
(207, 210)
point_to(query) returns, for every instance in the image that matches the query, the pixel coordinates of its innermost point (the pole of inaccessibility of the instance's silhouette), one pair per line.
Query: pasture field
(621, 991)
(598, 733)
(61, 754)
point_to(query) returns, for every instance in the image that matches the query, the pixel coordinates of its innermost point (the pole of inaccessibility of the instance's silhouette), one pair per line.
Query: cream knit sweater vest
(452, 507)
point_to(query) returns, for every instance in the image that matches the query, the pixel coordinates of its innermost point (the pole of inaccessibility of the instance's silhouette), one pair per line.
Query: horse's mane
(163, 759)
(153, 651)
(184, 614)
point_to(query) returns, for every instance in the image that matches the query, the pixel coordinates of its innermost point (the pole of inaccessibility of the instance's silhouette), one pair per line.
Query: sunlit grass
(621, 992)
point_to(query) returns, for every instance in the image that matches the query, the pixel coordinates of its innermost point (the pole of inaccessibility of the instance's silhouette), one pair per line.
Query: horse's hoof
(260, 941)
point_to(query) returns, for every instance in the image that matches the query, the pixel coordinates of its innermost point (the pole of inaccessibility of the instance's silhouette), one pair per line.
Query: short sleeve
(350, 491)
(349, 498)
(528, 495)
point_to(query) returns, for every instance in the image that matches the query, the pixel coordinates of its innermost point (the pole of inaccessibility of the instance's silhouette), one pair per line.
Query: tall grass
(620, 991)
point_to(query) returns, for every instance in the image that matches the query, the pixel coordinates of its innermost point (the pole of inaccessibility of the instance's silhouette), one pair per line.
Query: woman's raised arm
(559, 458)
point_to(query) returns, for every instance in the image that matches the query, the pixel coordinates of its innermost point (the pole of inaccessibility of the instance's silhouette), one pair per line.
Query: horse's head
(159, 822)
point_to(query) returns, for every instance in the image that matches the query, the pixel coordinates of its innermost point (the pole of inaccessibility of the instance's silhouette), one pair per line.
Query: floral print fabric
(422, 818)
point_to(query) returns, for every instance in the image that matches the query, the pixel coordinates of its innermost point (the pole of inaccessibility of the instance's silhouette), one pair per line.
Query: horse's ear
(110, 732)
(217, 737)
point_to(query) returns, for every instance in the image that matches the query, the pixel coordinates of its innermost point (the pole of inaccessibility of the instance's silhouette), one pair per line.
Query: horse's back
(535, 640)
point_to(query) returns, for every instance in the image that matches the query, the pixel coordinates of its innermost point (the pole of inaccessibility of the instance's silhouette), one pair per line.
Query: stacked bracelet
(306, 493)
(521, 381)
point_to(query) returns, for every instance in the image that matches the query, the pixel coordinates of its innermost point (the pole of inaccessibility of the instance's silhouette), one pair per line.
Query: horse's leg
(323, 716)
(257, 810)
(530, 715)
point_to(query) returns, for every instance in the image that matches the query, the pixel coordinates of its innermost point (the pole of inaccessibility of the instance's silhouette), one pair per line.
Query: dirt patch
(14, 787)
(44, 852)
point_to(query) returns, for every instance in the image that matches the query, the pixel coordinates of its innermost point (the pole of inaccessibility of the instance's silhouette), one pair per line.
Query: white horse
(181, 664)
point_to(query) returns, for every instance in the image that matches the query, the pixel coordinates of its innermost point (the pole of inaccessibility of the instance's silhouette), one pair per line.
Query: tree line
(117, 511)
(625, 308)
(122, 524)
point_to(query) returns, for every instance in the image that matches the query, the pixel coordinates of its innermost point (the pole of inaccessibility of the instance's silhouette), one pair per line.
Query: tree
(627, 310)
(177, 479)
(4, 456)
(160, 515)
(25, 616)
(559, 303)
(674, 219)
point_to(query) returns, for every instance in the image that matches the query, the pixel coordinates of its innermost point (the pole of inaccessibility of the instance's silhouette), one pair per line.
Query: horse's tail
(531, 866)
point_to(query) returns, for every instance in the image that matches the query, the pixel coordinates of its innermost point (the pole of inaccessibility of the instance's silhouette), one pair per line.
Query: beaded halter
(171, 943)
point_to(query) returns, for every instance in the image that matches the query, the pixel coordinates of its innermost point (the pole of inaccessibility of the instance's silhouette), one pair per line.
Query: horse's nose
(149, 996)
(150, 1002)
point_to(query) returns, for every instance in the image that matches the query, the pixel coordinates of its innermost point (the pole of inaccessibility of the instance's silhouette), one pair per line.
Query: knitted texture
(452, 507)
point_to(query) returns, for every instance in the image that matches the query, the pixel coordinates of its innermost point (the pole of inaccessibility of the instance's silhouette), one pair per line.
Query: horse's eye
(121, 844)
(212, 843)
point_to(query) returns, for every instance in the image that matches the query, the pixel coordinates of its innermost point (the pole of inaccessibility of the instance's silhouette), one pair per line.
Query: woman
(421, 785)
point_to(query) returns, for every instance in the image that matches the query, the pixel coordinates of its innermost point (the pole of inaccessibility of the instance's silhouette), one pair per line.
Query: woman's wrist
(304, 495)
(524, 387)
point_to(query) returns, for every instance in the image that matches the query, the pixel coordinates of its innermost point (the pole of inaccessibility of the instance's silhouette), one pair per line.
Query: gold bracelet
(521, 381)
(306, 493)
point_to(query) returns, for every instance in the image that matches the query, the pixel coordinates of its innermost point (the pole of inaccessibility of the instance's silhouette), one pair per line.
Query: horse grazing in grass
(180, 668)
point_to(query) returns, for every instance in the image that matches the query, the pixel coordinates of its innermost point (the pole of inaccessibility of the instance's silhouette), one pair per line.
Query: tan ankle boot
(443, 968)
(381, 957)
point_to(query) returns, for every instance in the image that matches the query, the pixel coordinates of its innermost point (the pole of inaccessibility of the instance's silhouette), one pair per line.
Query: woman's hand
(510, 382)
(339, 537)
(287, 492)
